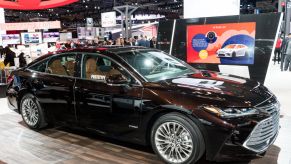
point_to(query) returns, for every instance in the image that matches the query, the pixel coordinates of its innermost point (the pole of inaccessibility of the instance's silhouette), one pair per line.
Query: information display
(10, 39)
(51, 36)
(231, 43)
(108, 19)
(31, 38)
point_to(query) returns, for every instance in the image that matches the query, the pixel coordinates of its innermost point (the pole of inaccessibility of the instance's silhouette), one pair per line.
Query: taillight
(10, 79)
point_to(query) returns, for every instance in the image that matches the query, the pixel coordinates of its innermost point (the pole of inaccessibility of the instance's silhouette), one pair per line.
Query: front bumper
(251, 138)
(260, 139)
(224, 54)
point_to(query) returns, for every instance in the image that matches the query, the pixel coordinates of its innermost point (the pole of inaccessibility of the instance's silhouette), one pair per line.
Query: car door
(105, 107)
(54, 88)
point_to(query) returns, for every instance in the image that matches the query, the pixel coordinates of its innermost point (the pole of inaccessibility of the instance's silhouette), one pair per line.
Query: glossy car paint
(128, 112)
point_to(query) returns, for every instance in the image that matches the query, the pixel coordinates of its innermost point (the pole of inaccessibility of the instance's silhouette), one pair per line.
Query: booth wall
(266, 30)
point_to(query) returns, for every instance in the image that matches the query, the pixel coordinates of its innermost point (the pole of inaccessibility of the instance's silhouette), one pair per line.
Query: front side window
(62, 65)
(39, 67)
(156, 65)
(101, 69)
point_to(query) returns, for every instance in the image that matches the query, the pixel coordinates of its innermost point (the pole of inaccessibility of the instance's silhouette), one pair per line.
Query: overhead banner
(108, 19)
(34, 4)
(230, 43)
(30, 25)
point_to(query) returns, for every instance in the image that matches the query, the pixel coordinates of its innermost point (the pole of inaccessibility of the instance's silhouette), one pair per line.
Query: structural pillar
(126, 12)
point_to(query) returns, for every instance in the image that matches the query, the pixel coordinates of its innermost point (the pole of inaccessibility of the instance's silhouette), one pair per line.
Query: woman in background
(22, 60)
(9, 56)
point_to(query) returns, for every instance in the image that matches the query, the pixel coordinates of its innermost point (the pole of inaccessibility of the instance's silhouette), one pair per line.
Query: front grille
(265, 132)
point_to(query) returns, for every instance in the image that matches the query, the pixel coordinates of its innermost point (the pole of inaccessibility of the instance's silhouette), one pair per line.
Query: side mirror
(116, 79)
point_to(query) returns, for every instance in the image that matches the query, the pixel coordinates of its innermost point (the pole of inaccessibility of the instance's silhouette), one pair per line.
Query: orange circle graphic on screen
(203, 54)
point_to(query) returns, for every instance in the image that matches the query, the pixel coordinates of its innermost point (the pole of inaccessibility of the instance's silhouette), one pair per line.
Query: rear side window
(39, 67)
(62, 65)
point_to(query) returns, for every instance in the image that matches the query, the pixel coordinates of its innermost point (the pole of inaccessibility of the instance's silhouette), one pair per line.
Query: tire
(233, 54)
(32, 113)
(184, 127)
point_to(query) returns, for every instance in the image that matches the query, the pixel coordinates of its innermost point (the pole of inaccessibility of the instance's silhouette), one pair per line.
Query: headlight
(231, 112)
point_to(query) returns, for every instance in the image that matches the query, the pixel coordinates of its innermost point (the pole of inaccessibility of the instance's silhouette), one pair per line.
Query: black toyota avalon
(147, 97)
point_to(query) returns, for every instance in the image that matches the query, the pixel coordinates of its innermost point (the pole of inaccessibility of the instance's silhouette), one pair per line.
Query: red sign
(34, 4)
(30, 25)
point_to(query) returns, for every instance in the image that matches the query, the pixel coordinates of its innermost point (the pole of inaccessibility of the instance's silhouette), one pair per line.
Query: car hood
(232, 90)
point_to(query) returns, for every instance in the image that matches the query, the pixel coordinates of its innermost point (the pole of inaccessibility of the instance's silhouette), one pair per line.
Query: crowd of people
(8, 55)
(133, 41)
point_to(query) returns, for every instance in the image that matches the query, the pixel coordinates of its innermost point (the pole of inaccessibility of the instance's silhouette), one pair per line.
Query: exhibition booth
(160, 96)
(238, 45)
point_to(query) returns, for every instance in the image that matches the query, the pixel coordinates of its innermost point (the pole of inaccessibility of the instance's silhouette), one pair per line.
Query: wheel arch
(166, 109)
(21, 94)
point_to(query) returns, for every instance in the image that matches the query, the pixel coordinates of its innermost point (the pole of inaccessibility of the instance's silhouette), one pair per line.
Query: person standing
(286, 59)
(142, 41)
(277, 56)
(9, 56)
(1, 52)
(147, 41)
(153, 42)
(22, 60)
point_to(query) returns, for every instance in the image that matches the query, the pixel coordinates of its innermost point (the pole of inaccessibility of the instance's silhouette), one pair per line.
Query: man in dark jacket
(1, 51)
(142, 42)
(286, 58)
(9, 56)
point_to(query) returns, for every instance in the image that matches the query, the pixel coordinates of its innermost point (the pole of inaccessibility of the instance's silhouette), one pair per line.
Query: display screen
(31, 38)
(10, 39)
(51, 36)
(231, 43)
(86, 33)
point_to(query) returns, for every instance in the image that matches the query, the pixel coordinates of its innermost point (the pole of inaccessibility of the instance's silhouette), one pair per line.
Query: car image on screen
(233, 50)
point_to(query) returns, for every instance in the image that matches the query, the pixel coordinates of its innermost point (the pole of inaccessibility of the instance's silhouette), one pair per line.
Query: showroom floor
(18, 144)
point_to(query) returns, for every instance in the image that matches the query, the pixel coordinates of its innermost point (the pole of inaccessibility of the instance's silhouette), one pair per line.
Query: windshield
(155, 65)
(230, 46)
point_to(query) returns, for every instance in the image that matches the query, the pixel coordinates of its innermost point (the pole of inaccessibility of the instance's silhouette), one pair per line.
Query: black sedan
(147, 97)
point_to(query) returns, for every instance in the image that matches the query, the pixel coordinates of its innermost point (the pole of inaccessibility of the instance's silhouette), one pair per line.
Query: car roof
(113, 49)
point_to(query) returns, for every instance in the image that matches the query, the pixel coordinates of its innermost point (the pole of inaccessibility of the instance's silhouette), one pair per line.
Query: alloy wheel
(30, 112)
(174, 142)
